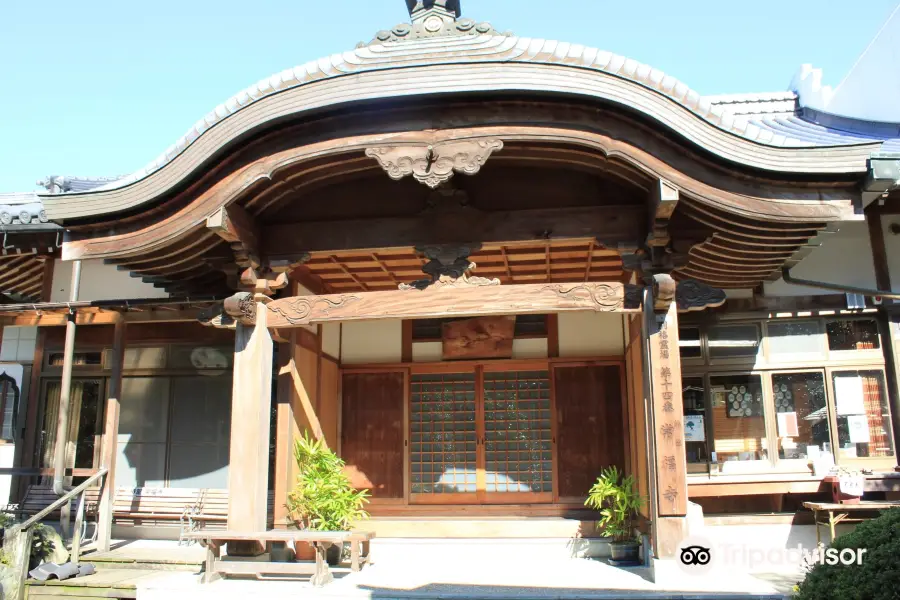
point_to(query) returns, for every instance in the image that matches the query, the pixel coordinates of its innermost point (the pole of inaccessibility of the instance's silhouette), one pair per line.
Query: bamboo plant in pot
(323, 499)
(616, 497)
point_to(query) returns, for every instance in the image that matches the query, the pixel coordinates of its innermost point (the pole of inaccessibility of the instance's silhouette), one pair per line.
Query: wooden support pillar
(111, 438)
(251, 401)
(665, 410)
(284, 431)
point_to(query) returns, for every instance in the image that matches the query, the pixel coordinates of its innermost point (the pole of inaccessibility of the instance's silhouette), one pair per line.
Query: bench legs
(213, 551)
(323, 575)
(359, 554)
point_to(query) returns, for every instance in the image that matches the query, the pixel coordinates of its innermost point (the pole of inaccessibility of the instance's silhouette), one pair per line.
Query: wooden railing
(17, 539)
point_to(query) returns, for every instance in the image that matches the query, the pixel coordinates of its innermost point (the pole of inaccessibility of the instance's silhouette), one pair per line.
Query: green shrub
(41, 544)
(877, 578)
(323, 498)
(616, 497)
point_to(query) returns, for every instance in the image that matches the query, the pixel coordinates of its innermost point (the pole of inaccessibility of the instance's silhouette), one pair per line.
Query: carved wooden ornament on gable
(434, 164)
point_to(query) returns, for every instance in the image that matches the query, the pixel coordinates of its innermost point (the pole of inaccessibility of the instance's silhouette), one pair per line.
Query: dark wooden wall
(589, 434)
(372, 431)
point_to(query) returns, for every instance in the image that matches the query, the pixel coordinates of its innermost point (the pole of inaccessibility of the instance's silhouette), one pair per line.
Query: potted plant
(323, 499)
(616, 498)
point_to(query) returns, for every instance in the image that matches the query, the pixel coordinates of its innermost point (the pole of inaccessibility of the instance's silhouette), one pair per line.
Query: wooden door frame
(479, 367)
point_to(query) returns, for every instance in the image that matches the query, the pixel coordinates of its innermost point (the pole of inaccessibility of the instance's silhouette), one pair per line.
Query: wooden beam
(662, 203)
(879, 252)
(99, 316)
(456, 299)
(234, 225)
(111, 438)
(610, 224)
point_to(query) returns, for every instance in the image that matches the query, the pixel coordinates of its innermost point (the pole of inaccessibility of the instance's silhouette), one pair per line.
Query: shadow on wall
(175, 431)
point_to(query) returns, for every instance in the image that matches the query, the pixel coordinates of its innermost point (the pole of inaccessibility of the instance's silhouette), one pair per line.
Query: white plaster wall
(892, 249)
(530, 348)
(365, 342)
(331, 339)
(100, 282)
(427, 351)
(844, 257)
(590, 334)
(18, 344)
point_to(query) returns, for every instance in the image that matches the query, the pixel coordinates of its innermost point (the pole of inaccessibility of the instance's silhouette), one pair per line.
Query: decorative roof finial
(423, 11)
(433, 18)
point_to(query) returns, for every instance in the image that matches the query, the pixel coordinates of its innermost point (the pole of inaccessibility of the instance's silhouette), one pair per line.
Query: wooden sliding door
(372, 437)
(481, 435)
(444, 438)
(518, 436)
(590, 425)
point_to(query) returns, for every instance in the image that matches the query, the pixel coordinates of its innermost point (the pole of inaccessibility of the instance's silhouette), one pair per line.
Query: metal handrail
(64, 499)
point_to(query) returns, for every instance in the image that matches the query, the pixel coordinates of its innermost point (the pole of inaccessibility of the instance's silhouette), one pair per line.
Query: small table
(840, 513)
(320, 540)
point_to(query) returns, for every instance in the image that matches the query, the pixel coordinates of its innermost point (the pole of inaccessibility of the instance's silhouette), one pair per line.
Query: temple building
(481, 268)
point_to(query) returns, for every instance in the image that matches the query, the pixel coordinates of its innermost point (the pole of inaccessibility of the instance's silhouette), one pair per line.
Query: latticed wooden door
(518, 436)
(482, 435)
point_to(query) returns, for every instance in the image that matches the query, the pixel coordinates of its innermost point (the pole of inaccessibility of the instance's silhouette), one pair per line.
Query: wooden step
(475, 528)
(111, 583)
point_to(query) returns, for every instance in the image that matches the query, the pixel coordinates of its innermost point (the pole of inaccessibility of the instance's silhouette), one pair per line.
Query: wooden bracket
(663, 292)
(662, 203)
(234, 225)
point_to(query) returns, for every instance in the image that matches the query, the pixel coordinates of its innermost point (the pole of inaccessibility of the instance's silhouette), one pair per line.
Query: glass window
(143, 432)
(144, 358)
(695, 442)
(689, 342)
(853, 334)
(200, 432)
(201, 357)
(794, 340)
(801, 414)
(733, 341)
(739, 427)
(9, 399)
(863, 419)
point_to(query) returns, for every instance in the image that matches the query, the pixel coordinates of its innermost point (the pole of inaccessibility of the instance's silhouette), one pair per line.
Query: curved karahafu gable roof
(469, 61)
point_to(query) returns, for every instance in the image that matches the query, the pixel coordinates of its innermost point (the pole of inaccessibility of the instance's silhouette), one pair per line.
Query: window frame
(764, 365)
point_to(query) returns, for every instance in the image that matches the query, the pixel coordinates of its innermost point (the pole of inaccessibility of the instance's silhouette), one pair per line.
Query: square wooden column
(665, 412)
(111, 438)
(251, 401)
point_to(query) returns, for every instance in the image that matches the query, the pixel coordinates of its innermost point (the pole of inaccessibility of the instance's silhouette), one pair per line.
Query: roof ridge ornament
(433, 18)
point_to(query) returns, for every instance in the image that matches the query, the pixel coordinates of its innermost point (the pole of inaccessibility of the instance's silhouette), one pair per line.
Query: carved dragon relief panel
(434, 164)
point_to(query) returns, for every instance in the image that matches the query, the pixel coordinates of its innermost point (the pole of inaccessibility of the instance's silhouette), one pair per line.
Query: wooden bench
(39, 497)
(193, 509)
(841, 513)
(320, 540)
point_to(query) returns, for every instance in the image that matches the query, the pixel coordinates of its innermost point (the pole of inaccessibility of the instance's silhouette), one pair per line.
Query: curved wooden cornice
(732, 196)
(526, 74)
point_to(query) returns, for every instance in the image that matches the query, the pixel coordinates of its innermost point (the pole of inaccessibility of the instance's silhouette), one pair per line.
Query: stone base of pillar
(670, 531)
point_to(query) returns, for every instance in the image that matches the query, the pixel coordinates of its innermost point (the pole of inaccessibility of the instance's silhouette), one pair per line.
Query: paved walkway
(569, 579)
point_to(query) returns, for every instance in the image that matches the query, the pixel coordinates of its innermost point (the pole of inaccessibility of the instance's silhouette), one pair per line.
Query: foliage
(877, 578)
(6, 520)
(323, 498)
(42, 543)
(617, 499)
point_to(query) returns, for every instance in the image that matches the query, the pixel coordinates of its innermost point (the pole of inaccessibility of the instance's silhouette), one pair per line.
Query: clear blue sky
(101, 88)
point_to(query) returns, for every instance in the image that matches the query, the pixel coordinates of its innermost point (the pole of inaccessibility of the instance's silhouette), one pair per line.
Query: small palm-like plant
(616, 497)
(323, 498)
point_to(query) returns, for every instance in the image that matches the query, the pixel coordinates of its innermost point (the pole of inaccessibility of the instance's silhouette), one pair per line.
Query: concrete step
(481, 550)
